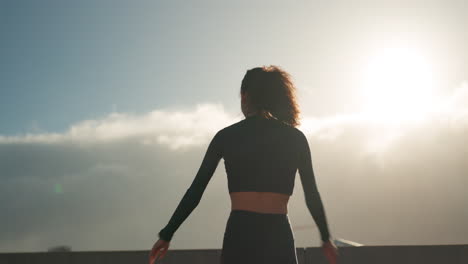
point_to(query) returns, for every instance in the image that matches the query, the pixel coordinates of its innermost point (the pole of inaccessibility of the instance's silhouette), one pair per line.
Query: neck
(256, 115)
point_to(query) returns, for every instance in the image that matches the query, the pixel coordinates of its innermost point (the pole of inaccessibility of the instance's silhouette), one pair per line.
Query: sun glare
(398, 85)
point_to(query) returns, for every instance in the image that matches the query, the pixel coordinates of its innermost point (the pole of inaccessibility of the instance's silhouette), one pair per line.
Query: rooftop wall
(453, 254)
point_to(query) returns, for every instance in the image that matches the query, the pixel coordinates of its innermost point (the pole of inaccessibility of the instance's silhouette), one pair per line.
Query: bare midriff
(261, 202)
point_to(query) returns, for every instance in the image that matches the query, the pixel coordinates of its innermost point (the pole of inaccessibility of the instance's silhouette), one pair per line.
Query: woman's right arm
(194, 193)
(311, 193)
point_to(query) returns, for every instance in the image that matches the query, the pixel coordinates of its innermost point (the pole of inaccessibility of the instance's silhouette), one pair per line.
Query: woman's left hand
(158, 251)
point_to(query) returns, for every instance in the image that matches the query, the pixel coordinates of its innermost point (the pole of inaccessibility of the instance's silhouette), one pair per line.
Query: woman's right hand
(331, 251)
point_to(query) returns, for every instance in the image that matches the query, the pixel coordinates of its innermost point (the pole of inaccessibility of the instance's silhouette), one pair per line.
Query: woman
(261, 155)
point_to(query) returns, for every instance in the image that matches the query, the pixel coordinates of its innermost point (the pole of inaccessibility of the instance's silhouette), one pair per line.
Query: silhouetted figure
(261, 156)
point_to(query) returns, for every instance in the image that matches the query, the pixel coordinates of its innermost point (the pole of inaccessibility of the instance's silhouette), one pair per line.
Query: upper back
(260, 155)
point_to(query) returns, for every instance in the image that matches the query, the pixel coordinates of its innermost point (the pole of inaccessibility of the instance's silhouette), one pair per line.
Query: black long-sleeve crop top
(260, 155)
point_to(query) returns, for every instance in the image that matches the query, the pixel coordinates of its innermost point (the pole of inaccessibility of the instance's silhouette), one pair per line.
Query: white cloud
(449, 109)
(177, 129)
(182, 129)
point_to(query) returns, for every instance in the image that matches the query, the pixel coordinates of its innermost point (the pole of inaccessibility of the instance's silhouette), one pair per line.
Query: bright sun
(398, 85)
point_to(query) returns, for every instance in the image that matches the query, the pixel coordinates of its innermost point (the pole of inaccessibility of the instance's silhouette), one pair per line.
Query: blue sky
(65, 62)
(102, 101)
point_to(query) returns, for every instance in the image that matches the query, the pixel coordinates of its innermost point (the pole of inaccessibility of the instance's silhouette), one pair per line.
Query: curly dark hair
(272, 94)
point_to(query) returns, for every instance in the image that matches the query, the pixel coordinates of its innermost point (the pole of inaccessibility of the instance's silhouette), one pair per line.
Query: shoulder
(223, 136)
(298, 132)
(230, 129)
(299, 135)
(223, 133)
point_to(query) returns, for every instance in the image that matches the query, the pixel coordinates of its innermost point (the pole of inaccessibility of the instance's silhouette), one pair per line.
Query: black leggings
(257, 238)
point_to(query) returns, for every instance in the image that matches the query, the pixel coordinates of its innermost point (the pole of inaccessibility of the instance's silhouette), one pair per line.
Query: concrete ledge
(430, 254)
(453, 254)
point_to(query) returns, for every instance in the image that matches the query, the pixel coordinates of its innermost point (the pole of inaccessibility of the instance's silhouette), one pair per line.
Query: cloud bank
(174, 129)
(113, 183)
